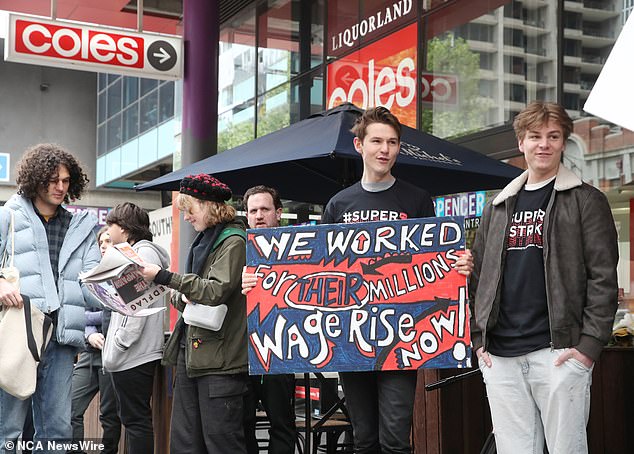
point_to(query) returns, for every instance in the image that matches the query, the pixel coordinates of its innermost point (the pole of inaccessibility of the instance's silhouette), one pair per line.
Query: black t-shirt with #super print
(523, 325)
(402, 200)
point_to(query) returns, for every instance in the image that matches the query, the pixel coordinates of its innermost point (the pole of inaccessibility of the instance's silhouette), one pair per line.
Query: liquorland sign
(93, 48)
(344, 35)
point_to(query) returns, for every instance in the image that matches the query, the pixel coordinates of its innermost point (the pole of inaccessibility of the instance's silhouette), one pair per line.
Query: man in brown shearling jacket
(543, 292)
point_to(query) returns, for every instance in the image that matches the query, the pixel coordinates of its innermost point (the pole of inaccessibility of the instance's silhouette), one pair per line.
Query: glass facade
(454, 68)
(129, 106)
(271, 75)
(477, 67)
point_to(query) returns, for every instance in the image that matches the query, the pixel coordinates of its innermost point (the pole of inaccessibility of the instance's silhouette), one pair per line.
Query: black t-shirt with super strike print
(523, 324)
(402, 200)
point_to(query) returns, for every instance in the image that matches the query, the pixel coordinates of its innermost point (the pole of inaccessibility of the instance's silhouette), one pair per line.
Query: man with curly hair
(52, 246)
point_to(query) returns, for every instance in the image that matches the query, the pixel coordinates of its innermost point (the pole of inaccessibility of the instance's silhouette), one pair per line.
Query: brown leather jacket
(580, 259)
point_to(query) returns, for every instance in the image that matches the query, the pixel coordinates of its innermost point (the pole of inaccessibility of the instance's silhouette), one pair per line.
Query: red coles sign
(78, 44)
(93, 48)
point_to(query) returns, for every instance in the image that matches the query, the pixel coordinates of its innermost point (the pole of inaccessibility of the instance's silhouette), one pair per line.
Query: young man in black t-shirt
(544, 293)
(380, 404)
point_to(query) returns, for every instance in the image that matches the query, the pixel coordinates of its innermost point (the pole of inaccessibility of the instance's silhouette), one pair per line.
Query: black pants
(207, 413)
(381, 405)
(276, 393)
(88, 379)
(133, 388)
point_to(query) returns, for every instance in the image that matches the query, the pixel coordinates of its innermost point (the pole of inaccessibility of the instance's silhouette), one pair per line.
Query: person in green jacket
(211, 366)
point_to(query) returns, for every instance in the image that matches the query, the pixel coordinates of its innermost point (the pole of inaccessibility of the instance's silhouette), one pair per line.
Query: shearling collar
(564, 180)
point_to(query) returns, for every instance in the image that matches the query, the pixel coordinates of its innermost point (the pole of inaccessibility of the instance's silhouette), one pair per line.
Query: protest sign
(355, 297)
(118, 284)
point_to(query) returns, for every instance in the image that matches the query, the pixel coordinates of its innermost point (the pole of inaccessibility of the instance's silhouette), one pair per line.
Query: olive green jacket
(214, 352)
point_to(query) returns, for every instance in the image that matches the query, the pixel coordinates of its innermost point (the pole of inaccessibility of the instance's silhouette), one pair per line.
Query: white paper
(117, 282)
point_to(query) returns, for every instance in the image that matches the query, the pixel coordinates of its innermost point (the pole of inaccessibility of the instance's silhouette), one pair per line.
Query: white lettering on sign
(386, 87)
(382, 89)
(439, 88)
(467, 204)
(369, 25)
(79, 44)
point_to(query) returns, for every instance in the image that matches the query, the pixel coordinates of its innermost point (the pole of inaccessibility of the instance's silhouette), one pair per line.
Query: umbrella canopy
(313, 159)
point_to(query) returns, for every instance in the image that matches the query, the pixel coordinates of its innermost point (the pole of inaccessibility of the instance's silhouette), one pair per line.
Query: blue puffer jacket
(79, 253)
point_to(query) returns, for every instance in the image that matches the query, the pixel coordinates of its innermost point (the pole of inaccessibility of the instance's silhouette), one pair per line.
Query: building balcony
(536, 51)
(593, 10)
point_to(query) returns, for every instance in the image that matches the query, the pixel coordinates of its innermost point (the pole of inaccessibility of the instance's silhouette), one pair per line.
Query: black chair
(334, 424)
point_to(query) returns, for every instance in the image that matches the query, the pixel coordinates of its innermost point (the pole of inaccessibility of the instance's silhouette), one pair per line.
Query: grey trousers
(88, 379)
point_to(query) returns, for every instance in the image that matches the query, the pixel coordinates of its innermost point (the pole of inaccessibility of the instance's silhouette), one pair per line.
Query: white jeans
(532, 399)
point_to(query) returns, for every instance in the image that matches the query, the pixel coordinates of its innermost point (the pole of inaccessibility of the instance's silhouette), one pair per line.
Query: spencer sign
(88, 47)
(348, 28)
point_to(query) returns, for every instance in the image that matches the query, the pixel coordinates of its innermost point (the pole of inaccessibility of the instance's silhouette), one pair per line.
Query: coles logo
(376, 87)
(380, 74)
(385, 74)
(80, 44)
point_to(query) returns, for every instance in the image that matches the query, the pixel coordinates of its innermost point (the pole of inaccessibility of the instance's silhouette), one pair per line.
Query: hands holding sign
(464, 265)
(248, 281)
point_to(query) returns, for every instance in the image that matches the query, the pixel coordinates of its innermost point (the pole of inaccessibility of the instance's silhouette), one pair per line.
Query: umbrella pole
(348, 176)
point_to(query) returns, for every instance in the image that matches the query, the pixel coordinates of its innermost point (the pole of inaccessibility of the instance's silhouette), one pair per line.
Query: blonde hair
(215, 212)
(538, 114)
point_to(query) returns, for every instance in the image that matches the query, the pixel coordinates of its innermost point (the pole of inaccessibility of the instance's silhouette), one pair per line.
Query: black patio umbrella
(313, 159)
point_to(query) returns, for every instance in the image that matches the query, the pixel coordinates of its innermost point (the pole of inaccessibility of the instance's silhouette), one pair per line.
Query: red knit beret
(205, 187)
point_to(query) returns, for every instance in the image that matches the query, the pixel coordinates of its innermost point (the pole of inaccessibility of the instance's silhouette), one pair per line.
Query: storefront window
(236, 81)
(148, 111)
(307, 95)
(166, 101)
(131, 122)
(290, 41)
(512, 45)
(281, 67)
(274, 110)
(380, 74)
(129, 106)
(236, 126)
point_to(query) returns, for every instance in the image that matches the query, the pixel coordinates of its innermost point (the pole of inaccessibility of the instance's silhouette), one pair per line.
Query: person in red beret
(211, 361)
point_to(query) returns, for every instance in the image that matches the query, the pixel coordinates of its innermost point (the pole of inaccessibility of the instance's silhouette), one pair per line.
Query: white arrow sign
(163, 54)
